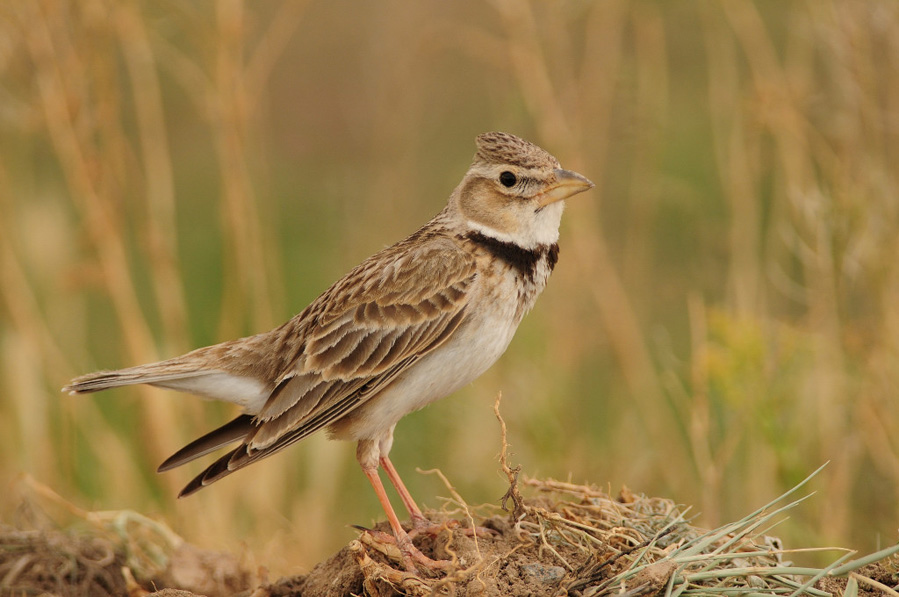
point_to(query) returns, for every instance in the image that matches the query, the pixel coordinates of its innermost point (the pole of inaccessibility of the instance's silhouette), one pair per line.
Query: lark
(411, 324)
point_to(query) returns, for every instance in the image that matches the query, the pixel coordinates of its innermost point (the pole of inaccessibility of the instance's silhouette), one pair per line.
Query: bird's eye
(507, 178)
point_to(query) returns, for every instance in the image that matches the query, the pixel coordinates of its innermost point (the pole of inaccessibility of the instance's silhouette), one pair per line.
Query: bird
(410, 325)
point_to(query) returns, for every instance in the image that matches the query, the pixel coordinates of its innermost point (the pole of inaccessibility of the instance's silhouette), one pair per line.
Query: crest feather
(503, 148)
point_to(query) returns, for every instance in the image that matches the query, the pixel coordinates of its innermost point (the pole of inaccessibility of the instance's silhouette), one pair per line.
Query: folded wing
(357, 337)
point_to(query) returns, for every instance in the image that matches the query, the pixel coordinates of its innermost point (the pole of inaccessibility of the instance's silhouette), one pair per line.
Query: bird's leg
(418, 519)
(411, 554)
(385, 442)
(403, 541)
(420, 524)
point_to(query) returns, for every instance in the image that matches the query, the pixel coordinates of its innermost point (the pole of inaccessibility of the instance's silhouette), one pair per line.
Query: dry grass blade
(513, 493)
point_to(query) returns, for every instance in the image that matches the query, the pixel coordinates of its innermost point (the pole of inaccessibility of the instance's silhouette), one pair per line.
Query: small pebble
(543, 574)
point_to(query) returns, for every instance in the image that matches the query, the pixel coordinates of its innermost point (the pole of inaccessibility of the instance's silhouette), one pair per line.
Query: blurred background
(723, 320)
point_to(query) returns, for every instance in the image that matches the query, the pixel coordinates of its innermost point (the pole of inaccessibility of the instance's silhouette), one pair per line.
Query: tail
(184, 375)
(193, 375)
(165, 374)
(179, 375)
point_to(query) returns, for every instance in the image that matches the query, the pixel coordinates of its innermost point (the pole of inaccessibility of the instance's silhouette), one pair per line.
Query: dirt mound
(576, 540)
(563, 539)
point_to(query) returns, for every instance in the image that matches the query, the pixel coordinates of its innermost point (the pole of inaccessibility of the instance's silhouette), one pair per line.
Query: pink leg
(403, 541)
(421, 524)
(418, 519)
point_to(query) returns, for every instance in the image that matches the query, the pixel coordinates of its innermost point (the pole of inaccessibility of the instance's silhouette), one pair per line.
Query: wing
(362, 333)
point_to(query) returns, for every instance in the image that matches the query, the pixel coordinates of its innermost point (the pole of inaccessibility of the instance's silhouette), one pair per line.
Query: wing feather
(354, 361)
(284, 397)
(365, 336)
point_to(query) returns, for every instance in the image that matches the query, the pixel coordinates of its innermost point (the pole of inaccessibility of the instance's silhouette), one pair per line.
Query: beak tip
(583, 184)
(588, 184)
(567, 184)
(574, 179)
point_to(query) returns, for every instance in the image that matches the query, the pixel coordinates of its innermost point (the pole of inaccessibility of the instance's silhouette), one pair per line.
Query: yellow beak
(567, 183)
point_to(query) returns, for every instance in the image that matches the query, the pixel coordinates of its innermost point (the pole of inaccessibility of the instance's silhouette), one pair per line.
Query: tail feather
(215, 471)
(228, 433)
(155, 373)
(183, 376)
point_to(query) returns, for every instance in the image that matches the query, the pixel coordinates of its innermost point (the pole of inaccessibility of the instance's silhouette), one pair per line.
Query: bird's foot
(398, 546)
(401, 548)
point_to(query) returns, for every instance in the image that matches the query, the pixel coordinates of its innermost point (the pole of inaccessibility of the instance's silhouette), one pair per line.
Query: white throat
(534, 231)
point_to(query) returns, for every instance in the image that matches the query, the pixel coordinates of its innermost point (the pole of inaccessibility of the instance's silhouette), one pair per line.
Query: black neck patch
(524, 260)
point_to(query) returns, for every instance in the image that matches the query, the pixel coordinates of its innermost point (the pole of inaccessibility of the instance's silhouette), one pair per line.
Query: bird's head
(514, 191)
